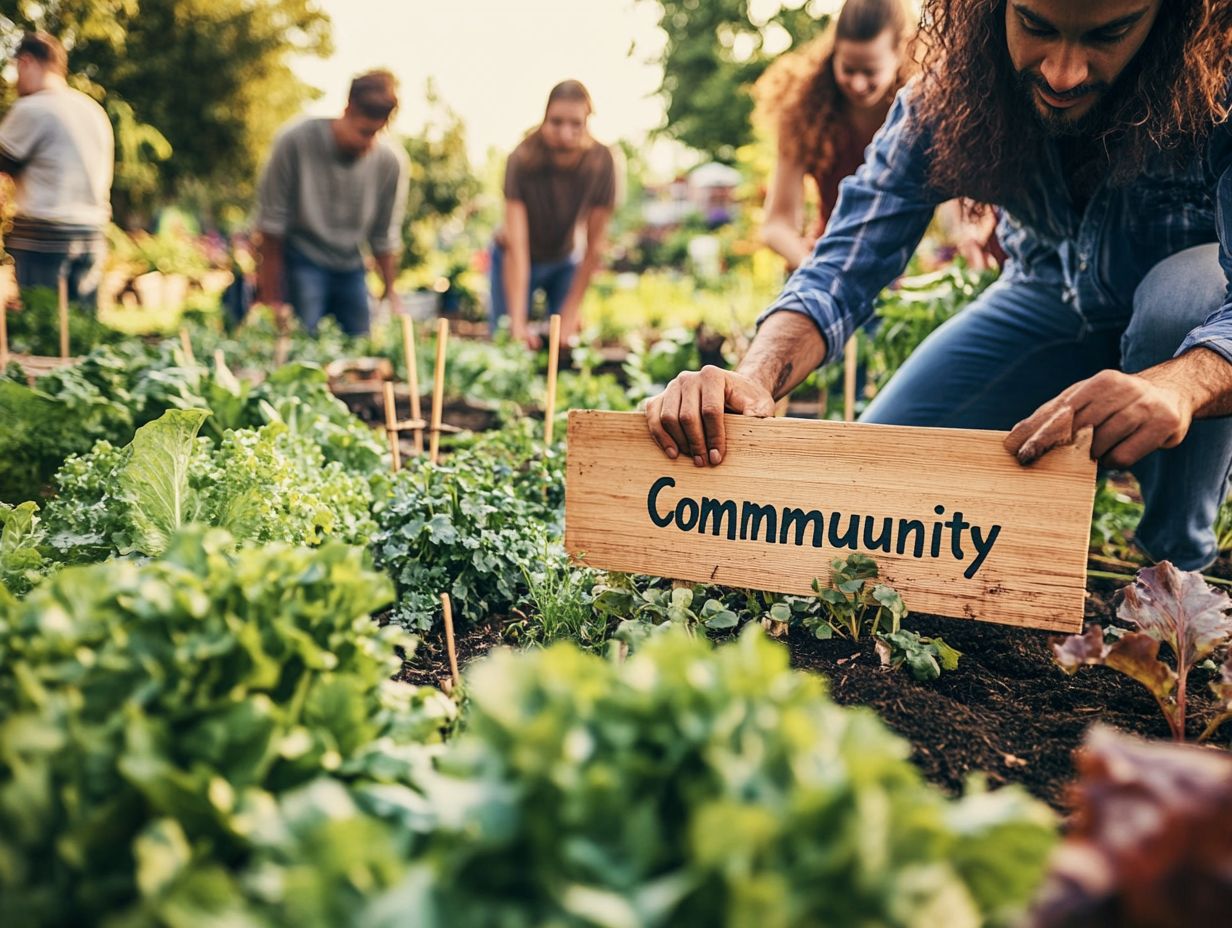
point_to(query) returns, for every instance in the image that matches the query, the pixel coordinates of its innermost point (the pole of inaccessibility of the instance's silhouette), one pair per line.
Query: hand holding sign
(1131, 415)
(687, 417)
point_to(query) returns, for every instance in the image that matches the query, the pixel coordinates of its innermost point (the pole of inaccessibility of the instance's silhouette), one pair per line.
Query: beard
(1056, 124)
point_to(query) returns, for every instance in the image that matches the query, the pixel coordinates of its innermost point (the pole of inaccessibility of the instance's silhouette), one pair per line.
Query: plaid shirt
(1096, 259)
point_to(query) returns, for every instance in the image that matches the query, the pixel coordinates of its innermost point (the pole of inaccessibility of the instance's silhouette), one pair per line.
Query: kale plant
(470, 526)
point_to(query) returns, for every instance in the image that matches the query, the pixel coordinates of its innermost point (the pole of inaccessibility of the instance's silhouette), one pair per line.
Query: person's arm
(881, 215)
(780, 230)
(386, 239)
(517, 271)
(1132, 415)
(275, 193)
(269, 270)
(687, 417)
(20, 131)
(596, 246)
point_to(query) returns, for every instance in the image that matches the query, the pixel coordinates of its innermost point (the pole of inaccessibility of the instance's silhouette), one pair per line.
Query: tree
(211, 76)
(441, 179)
(714, 52)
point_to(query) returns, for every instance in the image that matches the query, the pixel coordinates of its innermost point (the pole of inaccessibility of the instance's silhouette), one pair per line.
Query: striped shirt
(1095, 258)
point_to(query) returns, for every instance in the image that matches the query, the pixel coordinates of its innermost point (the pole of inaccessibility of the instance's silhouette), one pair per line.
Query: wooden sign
(954, 522)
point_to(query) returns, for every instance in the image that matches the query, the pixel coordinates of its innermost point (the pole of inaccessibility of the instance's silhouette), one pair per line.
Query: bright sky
(494, 61)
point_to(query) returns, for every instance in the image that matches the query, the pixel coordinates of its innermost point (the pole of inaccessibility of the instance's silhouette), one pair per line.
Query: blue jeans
(45, 269)
(552, 277)
(1020, 344)
(314, 292)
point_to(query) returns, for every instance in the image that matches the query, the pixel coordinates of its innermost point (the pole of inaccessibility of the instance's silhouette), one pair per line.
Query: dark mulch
(1007, 711)
(430, 664)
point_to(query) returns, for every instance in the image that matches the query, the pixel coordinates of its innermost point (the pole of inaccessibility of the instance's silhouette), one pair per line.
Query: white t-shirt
(63, 141)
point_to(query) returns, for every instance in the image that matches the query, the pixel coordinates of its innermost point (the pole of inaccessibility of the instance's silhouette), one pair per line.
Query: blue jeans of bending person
(315, 292)
(1020, 344)
(83, 271)
(552, 277)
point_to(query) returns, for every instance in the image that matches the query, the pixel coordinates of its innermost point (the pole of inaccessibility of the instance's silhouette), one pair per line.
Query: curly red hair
(799, 96)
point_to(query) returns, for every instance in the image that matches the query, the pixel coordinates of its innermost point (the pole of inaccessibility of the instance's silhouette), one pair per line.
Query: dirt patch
(429, 666)
(1007, 712)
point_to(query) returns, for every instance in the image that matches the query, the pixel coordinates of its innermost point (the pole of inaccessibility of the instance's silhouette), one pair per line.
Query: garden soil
(1007, 712)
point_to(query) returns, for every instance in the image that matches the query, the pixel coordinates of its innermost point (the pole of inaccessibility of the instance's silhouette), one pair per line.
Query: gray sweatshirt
(325, 205)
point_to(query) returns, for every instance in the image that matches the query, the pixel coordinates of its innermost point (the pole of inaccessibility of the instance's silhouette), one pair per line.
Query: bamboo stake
(850, 360)
(438, 389)
(391, 427)
(63, 299)
(447, 609)
(549, 405)
(412, 377)
(186, 344)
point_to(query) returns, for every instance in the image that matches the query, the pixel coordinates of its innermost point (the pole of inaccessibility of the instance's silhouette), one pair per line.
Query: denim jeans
(314, 292)
(552, 277)
(45, 269)
(1020, 344)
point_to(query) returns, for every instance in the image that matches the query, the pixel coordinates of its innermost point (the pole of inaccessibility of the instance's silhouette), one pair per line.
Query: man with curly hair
(1101, 130)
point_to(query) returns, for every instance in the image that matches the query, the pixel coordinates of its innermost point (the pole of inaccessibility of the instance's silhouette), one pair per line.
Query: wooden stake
(186, 344)
(282, 350)
(438, 389)
(549, 405)
(850, 362)
(412, 376)
(447, 610)
(220, 360)
(64, 318)
(391, 427)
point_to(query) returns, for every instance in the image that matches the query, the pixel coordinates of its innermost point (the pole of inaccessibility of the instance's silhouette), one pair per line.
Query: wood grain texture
(1033, 574)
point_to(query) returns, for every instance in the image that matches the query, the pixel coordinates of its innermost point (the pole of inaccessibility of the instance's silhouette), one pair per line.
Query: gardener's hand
(687, 417)
(1131, 415)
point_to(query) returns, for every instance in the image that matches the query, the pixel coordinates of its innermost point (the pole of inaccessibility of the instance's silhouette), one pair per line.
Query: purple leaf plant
(1168, 607)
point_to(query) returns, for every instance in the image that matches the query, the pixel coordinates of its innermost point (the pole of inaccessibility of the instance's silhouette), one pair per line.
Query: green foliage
(853, 606)
(1114, 516)
(469, 526)
(262, 485)
(213, 79)
(911, 311)
(559, 604)
(699, 786)
(35, 328)
(204, 739)
(21, 563)
(441, 178)
(153, 479)
(713, 54)
(645, 607)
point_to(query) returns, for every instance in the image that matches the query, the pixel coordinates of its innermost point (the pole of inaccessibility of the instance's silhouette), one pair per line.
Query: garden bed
(1008, 711)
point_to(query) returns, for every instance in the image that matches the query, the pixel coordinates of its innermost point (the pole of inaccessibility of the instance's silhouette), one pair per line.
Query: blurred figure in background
(556, 179)
(57, 145)
(826, 101)
(331, 187)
